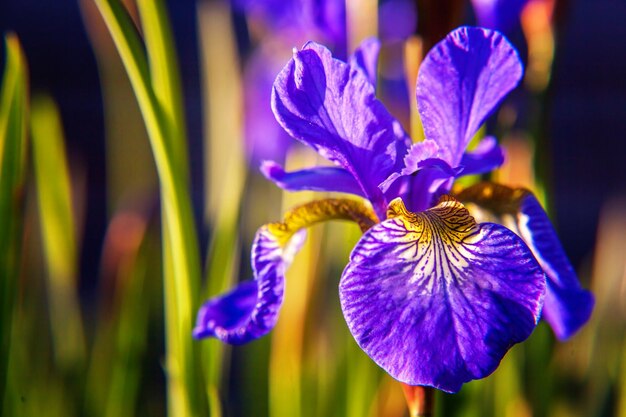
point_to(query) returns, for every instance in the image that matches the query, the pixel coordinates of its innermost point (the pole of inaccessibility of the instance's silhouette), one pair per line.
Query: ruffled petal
(436, 299)
(331, 106)
(460, 82)
(501, 15)
(568, 306)
(424, 176)
(365, 58)
(251, 310)
(332, 179)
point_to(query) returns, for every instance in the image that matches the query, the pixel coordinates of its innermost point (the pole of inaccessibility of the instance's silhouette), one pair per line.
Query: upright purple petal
(436, 299)
(331, 106)
(460, 82)
(365, 58)
(251, 309)
(501, 15)
(567, 306)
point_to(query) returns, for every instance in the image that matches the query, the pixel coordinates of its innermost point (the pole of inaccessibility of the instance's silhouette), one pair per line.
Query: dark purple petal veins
(331, 106)
(460, 82)
(251, 310)
(436, 299)
(568, 306)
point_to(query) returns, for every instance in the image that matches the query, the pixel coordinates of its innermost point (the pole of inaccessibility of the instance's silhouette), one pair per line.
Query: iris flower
(432, 294)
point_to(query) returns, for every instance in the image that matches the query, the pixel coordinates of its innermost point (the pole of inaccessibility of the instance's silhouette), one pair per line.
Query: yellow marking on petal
(321, 210)
(439, 234)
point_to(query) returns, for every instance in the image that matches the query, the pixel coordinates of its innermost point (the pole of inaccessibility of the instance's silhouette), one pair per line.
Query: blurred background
(98, 347)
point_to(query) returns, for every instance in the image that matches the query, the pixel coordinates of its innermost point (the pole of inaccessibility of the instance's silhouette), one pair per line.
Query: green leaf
(13, 145)
(54, 196)
(180, 247)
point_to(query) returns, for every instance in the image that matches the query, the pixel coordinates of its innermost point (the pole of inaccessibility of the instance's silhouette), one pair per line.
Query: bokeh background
(570, 136)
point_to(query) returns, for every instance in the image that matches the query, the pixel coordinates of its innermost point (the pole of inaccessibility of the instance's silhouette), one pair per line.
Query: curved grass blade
(58, 232)
(13, 145)
(181, 259)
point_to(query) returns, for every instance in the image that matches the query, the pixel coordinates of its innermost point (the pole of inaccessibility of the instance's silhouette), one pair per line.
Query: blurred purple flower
(432, 296)
(293, 21)
(501, 15)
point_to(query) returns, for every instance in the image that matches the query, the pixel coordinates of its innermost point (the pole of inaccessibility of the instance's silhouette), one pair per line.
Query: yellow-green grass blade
(13, 144)
(164, 72)
(181, 259)
(58, 233)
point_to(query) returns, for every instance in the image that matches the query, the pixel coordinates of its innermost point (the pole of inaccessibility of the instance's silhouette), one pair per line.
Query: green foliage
(13, 147)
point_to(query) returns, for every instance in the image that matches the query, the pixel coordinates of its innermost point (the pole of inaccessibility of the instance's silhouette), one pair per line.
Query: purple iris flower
(431, 295)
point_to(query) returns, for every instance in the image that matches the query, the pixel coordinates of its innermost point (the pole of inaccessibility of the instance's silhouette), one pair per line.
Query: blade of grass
(58, 233)
(181, 259)
(162, 60)
(13, 143)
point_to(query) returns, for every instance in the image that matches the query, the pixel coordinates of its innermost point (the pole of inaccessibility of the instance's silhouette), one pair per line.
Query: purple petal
(365, 58)
(501, 15)
(567, 306)
(436, 299)
(251, 310)
(416, 155)
(315, 179)
(461, 81)
(424, 176)
(486, 157)
(331, 106)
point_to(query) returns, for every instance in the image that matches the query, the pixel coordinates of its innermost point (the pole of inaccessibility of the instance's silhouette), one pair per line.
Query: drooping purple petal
(486, 157)
(251, 309)
(501, 15)
(314, 179)
(436, 299)
(331, 106)
(460, 82)
(567, 306)
(365, 58)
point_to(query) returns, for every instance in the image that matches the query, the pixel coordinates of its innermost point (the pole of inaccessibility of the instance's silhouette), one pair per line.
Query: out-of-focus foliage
(65, 354)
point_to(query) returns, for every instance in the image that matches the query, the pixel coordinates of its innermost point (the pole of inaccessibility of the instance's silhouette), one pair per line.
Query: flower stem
(419, 399)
